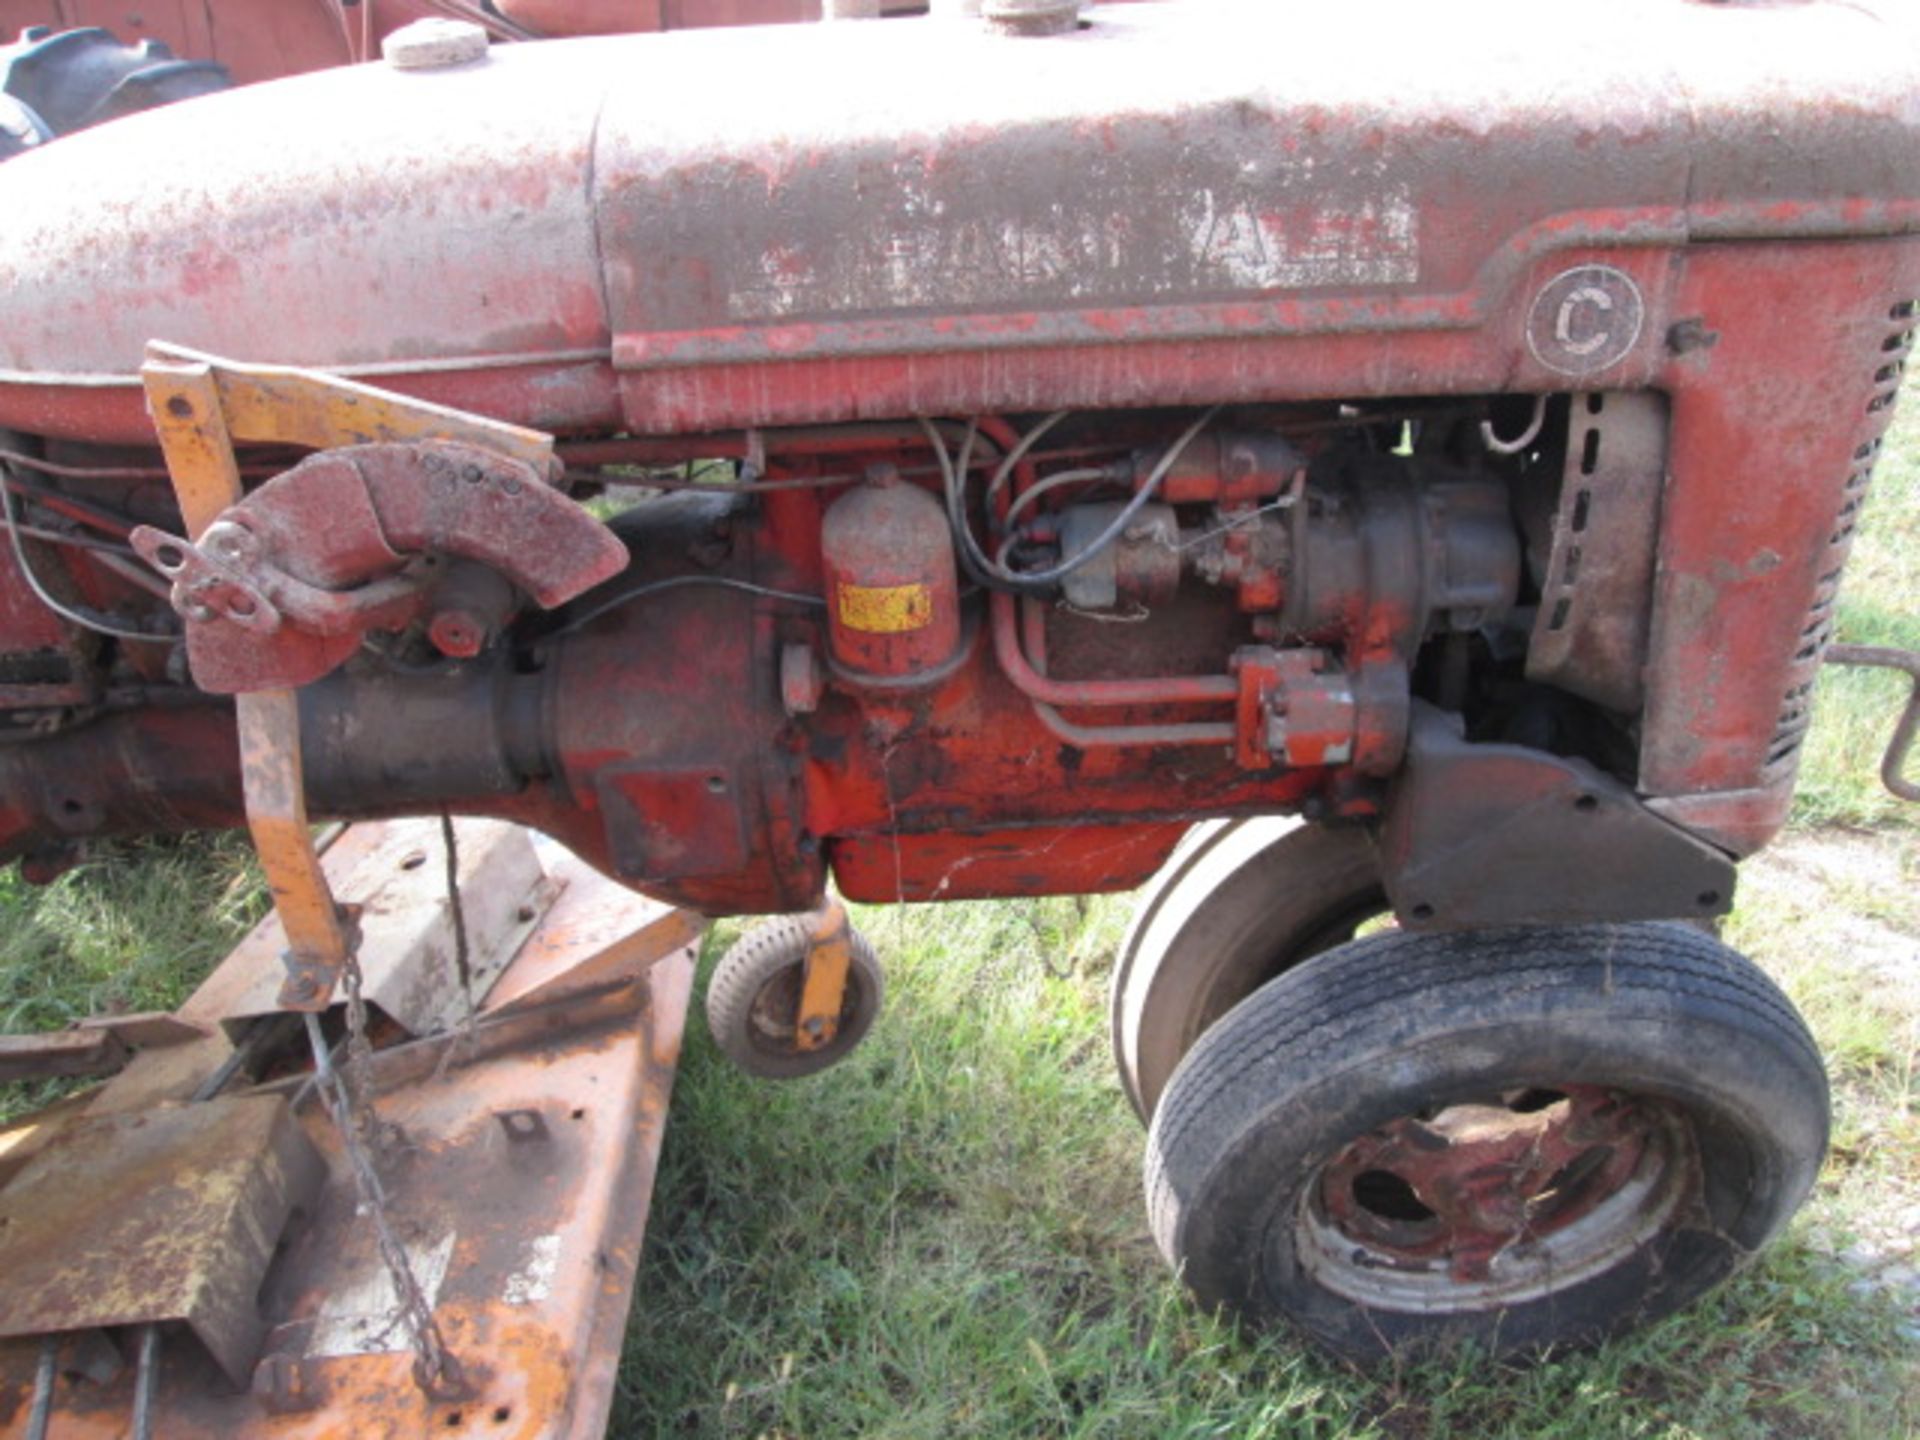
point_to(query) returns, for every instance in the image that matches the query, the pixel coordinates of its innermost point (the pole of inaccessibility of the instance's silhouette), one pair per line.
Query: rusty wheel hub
(777, 1006)
(1474, 1200)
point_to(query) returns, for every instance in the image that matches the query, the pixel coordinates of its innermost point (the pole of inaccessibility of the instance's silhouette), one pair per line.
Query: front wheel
(1518, 1139)
(1239, 902)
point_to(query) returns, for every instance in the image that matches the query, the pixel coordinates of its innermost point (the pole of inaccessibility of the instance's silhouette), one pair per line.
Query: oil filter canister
(893, 593)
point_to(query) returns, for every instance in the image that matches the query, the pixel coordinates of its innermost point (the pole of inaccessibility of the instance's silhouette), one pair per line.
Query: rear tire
(1331, 1153)
(54, 83)
(1239, 902)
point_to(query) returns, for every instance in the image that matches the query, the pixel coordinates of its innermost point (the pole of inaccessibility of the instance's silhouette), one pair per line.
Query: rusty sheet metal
(62, 1052)
(594, 937)
(1476, 836)
(598, 934)
(396, 874)
(521, 1206)
(1793, 398)
(165, 1074)
(521, 1197)
(146, 1028)
(25, 1136)
(445, 180)
(1596, 603)
(100, 1045)
(746, 260)
(168, 1216)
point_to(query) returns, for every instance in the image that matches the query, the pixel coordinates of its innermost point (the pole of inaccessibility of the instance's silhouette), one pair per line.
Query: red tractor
(1020, 447)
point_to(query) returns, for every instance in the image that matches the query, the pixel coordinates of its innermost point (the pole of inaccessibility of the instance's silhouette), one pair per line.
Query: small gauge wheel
(753, 1000)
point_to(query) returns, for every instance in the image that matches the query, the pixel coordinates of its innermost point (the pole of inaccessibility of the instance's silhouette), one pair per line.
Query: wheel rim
(1302, 888)
(1497, 1201)
(1336, 927)
(1338, 924)
(772, 1020)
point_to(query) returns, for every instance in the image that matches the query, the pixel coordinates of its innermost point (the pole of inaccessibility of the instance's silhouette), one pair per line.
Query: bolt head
(457, 634)
(435, 45)
(230, 541)
(801, 682)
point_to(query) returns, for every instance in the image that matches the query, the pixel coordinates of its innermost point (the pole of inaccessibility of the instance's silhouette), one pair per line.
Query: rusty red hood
(708, 229)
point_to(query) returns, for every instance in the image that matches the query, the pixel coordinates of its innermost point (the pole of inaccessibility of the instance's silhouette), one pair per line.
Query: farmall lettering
(1375, 243)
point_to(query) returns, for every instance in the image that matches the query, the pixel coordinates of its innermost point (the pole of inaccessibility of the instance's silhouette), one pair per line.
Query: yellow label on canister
(885, 609)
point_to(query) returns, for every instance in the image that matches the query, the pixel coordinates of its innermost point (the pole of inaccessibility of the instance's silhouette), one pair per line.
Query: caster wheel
(1517, 1140)
(753, 1000)
(1239, 902)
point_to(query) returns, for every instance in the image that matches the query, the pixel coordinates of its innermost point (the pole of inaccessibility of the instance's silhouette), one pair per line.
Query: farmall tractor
(1026, 458)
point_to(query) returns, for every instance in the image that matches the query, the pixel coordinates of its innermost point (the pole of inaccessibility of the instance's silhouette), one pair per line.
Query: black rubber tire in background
(53, 83)
(773, 954)
(1404, 1024)
(1239, 902)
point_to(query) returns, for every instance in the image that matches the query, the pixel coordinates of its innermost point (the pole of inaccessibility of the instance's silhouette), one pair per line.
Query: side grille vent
(1796, 710)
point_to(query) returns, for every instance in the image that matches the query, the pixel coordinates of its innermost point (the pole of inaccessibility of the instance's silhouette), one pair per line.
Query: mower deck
(517, 1170)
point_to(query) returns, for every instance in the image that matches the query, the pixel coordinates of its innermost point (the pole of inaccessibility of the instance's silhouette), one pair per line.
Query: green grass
(131, 929)
(944, 1237)
(1879, 605)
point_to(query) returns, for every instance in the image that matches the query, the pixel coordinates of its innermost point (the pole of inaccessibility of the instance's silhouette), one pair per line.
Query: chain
(348, 1094)
(435, 1370)
(355, 1080)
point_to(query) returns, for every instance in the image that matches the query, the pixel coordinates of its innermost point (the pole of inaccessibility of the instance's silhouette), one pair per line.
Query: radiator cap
(1031, 17)
(434, 45)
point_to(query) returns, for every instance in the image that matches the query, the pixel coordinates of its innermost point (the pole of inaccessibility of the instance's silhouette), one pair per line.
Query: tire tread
(1300, 1022)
